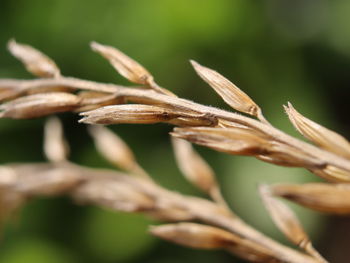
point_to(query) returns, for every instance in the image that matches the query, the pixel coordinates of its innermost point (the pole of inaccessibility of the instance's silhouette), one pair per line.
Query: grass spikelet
(35, 62)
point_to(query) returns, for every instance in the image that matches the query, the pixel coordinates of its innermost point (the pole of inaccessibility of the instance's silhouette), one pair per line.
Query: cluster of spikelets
(196, 222)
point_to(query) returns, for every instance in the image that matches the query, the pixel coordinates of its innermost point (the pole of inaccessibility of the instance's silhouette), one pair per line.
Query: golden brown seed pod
(170, 214)
(8, 90)
(333, 174)
(35, 62)
(283, 217)
(288, 223)
(126, 66)
(229, 92)
(243, 141)
(128, 113)
(207, 237)
(38, 105)
(193, 166)
(113, 148)
(194, 235)
(329, 198)
(229, 140)
(318, 134)
(55, 146)
(193, 120)
(287, 155)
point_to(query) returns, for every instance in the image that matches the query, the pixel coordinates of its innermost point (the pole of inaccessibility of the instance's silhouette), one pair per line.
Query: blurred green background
(275, 50)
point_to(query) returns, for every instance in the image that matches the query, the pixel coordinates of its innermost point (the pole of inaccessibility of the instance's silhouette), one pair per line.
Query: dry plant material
(91, 100)
(208, 237)
(194, 235)
(318, 134)
(232, 95)
(329, 198)
(228, 91)
(56, 148)
(122, 192)
(193, 166)
(112, 147)
(8, 92)
(197, 170)
(128, 113)
(208, 223)
(144, 114)
(284, 218)
(35, 62)
(39, 105)
(287, 222)
(333, 174)
(126, 66)
(115, 150)
(114, 195)
(233, 140)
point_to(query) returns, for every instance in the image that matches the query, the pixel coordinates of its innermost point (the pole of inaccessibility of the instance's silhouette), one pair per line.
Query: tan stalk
(150, 97)
(120, 191)
(208, 126)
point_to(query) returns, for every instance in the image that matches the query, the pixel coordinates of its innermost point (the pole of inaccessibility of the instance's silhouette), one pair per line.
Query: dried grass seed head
(126, 66)
(112, 147)
(145, 114)
(56, 147)
(194, 235)
(230, 140)
(318, 134)
(39, 105)
(329, 198)
(229, 92)
(8, 92)
(193, 166)
(334, 174)
(284, 218)
(35, 62)
(208, 237)
(128, 113)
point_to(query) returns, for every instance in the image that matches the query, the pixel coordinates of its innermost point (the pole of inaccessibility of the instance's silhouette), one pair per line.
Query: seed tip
(194, 63)
(84, 120)
(94, 45)
(264, 189)
(11, 42)
(290, 105)
(152, 229)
